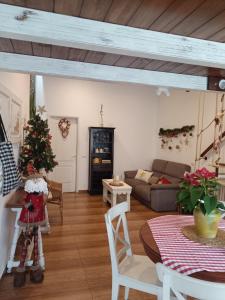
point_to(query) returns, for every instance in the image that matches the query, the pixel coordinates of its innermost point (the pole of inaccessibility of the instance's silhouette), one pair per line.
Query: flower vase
(206, 225)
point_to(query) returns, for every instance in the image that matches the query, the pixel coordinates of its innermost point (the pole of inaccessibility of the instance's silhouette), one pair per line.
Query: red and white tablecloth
(181, 254)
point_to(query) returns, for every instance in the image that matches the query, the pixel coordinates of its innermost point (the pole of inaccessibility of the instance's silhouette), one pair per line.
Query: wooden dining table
(152, 251)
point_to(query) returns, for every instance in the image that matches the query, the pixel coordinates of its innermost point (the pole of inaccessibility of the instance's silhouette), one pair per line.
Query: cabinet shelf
(99, 171)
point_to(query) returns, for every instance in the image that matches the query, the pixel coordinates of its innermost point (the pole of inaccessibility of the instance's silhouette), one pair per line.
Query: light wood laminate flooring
(77, 253)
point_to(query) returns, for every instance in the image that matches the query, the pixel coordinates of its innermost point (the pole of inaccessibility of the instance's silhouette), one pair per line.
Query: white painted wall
(19, 85)
(131, 109)
(179, 109)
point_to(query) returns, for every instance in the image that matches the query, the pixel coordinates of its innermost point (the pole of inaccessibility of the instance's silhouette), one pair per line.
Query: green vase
(206, 225)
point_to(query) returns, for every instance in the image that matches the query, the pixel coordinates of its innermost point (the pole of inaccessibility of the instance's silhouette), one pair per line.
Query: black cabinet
(101, 146)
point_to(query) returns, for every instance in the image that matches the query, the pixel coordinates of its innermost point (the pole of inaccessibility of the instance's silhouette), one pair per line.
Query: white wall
(19, 85)
(131, 109)
(179, 109)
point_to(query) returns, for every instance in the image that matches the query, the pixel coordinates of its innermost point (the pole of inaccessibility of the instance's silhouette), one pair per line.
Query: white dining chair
(181, 285)
(128, 270)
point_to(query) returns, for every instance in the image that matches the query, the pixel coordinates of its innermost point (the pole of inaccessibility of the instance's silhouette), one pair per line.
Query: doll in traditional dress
(32, 216)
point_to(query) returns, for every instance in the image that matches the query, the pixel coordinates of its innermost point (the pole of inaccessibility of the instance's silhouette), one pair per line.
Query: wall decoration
(101, 115)
(176, 138)
(64, 126)
(5, 110)
(16, 119)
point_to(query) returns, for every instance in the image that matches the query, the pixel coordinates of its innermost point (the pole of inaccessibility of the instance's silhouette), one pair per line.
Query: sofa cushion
(159, 166)
(143, 175)
(130, 174)
(176, 169)
(143, 191)
(153, 179)
(133, 182)
(164, 180)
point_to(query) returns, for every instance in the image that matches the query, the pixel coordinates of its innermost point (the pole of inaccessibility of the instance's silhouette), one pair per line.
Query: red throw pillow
(164, 180)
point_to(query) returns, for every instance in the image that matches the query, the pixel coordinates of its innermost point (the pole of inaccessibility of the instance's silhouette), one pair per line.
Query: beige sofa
(159, 197)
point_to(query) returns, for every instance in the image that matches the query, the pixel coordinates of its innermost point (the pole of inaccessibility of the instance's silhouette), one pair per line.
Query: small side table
(16, 203)
(114, 191)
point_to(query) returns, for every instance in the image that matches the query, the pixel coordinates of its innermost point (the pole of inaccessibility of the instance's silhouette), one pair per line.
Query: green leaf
(210, 203)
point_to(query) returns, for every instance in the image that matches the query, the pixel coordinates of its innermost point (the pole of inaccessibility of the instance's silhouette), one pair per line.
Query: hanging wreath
(64, 126)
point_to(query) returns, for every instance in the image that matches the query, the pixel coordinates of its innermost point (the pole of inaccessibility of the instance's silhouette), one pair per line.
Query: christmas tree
(37, 146)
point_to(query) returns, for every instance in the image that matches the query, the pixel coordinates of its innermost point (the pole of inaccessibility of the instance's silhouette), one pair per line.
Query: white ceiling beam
(72, 69)
(56, 29)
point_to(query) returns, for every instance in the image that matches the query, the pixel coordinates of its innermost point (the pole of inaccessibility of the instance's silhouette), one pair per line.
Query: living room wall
(17, 84)
(180, 109)
(132, 110)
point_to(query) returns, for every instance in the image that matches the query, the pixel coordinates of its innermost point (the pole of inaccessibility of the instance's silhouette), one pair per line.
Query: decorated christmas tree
(37, 146)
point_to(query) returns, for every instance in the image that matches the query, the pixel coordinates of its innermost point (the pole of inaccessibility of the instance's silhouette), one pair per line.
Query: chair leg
(115, 290)
(126, 293)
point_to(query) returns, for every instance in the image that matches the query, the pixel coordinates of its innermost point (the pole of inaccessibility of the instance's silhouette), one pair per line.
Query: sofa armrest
(172, 186)
(130, 174)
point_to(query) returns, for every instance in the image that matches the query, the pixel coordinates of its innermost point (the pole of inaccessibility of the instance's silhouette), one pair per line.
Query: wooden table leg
(105, 194)
(128, 200)
(113, 198)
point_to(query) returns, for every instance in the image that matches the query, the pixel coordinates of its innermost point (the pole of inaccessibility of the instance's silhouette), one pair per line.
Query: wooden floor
(77, 254)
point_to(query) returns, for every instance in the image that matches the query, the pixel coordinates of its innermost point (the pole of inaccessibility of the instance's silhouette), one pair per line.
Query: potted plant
(198, 194)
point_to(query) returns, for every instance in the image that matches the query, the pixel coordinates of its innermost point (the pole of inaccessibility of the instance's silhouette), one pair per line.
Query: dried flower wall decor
(176, 138)
(64, 126)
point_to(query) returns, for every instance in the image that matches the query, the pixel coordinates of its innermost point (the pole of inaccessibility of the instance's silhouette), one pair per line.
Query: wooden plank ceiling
(203, 19)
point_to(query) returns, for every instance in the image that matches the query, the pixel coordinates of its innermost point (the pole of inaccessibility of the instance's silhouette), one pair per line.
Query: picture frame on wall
(15, 121)
(5, 110)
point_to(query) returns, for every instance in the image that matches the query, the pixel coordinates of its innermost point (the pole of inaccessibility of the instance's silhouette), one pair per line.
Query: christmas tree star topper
(41, 109)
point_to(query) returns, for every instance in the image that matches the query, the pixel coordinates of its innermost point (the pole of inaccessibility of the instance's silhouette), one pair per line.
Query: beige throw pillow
(143, 175)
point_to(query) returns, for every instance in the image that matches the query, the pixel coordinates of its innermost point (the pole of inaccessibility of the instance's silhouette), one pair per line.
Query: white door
(65, 151)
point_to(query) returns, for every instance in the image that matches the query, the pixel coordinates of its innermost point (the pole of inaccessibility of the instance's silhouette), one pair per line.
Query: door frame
(76, 142)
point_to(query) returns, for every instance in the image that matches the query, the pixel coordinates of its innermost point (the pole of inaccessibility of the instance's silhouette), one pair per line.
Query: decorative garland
(179, 135)
(176, 131)
(64, 126)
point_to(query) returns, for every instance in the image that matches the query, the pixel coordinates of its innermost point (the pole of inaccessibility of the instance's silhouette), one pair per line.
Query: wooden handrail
(210, 147)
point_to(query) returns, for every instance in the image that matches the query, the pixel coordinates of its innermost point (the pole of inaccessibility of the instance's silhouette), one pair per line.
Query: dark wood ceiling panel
(68, 7)
(121, 11)
(175, 13)
(124, 61)
(196, 69)
(94, 57)
(77, 54)
(139, 63)
(59, 52)
(15, 2)
(22, 47)
(95, 9)
(148, 12)
(41, 49)
(154, 65)
(205, 12)
(208, 30)
(109, 59)
(167, 67)
(6, 45)
(41, 4)
(197, 18)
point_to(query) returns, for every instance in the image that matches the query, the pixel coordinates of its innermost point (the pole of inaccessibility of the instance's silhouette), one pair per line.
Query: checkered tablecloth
(181, 254)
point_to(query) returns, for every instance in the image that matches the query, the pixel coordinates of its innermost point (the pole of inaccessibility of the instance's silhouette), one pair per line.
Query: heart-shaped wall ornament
(64, 126)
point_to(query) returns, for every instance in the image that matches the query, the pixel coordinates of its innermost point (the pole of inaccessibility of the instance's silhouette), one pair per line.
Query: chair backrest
(55, 188)
(117, 234)
(182, 284)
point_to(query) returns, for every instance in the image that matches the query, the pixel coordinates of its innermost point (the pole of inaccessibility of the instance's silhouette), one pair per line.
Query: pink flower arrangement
(199, 175)
(199, 189)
